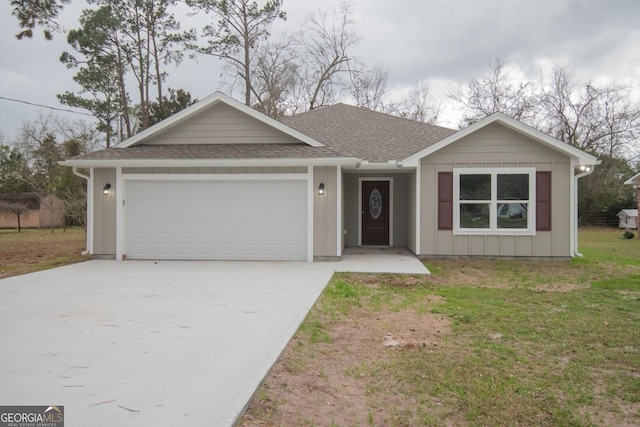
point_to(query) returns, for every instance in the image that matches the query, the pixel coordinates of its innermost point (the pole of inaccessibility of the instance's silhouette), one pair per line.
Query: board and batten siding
(104, 211)
(496, 146)
(222, 124)
(325, 213)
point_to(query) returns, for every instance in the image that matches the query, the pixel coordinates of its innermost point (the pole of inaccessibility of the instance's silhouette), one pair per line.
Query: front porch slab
(380, 259)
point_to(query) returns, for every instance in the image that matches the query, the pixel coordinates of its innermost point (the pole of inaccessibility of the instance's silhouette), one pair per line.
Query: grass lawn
(34, 249)
(480, 343)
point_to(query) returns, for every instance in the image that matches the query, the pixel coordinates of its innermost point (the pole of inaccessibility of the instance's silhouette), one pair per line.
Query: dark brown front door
(375, 212)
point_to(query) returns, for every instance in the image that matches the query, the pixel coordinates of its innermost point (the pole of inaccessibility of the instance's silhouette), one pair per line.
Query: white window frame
(493, 203)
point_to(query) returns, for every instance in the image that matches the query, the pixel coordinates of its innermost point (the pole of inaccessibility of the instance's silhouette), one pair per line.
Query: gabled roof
(628, 212)
(366, 134)
(28, 200)
(186, 155)
(339, 134)
(635, 179)
(519, 127)
(206, 103)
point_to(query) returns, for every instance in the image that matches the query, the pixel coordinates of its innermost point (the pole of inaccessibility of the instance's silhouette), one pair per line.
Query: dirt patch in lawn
(33, 250)
(543, 275)
(338, 382)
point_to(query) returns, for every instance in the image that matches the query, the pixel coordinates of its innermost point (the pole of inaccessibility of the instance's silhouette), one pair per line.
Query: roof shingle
(367, 134)
(346, 131)
(212, 151)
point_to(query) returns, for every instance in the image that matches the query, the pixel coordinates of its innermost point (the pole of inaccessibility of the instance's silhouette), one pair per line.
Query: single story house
(34, 211)
(628, 218)
(221, 181)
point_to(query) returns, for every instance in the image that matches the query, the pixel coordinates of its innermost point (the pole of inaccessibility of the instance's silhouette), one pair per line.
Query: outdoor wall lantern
(321, 189)
(106, 188)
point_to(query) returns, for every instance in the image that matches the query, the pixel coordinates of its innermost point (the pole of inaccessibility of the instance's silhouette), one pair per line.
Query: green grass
(567, 352)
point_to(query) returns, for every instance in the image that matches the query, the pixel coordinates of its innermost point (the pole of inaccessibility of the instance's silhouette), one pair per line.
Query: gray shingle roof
(28, 200)
(346, 131)
(369, 135)
(212, 151)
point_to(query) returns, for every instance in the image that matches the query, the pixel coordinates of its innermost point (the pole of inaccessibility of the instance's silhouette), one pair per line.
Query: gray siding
(496, 146)
(402, 214)
(104, 213)
(222, 124)
(325, 211)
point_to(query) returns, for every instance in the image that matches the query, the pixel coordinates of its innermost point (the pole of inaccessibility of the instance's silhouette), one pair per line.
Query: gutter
(86, 178)
(263, 162)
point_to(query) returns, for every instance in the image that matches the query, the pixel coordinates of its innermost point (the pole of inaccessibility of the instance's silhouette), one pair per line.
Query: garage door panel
(226, 220)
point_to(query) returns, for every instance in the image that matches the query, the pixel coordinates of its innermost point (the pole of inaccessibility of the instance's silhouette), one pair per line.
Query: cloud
(441, 41)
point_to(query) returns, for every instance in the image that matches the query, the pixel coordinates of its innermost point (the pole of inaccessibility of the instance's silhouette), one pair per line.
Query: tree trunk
(247, 66)
(124, 103)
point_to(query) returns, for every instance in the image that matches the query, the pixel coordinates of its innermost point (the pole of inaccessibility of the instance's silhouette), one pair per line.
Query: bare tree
(240, 25)
(369, 88)
(274, 78)
(596, 118)
(419, 105)
(39, 172)
(325, 59)
(495, 92)
(15, 208)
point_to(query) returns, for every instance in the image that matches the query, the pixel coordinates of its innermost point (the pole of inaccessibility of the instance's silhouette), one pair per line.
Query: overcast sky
(443, 42)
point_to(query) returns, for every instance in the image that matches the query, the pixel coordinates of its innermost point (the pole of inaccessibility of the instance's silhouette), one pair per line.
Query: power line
(45, 106)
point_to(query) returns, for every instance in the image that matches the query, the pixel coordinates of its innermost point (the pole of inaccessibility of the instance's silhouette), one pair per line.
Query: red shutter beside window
(543, 201)
(445, 200)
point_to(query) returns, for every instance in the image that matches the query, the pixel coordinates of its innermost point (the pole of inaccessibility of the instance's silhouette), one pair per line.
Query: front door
(375, 212)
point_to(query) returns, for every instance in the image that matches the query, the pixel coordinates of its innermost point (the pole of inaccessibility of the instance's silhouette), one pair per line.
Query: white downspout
(575, 195)
(89, 214)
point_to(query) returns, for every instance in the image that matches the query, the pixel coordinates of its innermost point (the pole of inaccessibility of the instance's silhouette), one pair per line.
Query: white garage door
(216, 220)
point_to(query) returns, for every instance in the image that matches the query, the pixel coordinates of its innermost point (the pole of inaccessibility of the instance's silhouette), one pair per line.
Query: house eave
(580, 156)
(391, 166)
(189, 163)
(208, 102)
(634, 180)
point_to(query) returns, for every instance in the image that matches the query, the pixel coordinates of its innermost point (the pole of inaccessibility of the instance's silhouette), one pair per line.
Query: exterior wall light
(321, 189)
(584, 168)
(106, 188)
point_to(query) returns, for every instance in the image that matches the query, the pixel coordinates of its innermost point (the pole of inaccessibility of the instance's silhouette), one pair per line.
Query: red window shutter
(543, 201)
(445, 200)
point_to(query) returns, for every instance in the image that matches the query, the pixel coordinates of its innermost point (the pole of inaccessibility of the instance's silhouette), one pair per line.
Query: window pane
(475, 187)
(513, 187)
(512, 215)
(474, 215)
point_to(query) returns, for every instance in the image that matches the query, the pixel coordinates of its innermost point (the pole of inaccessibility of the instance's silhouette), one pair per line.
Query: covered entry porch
(379, 209)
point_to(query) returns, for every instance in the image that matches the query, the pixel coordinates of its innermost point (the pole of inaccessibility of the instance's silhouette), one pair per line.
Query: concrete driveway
(150, 343)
